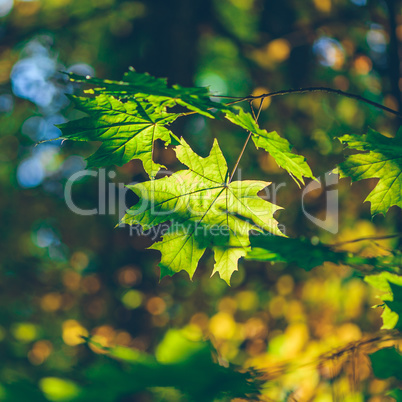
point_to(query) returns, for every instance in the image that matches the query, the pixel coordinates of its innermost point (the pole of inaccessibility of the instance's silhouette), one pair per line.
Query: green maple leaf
(391, 286)
(205, 210)
(127, 130)
(279, 148)
(383, 160)
(155, 90)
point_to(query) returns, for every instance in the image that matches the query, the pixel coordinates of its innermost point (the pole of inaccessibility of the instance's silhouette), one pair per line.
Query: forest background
(64, 276)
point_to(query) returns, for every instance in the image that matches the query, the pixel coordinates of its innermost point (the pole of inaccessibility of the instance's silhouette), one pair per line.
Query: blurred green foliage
(64, 276)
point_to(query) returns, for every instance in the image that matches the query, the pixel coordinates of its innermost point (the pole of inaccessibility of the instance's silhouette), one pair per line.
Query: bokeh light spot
(24, 331)
(257, 102)
(6, 103)
(72, 280)
(278, 50)
(51, 302)
(79, 260)
(323, 5)
(91, 284)
(214, 82)
(376, 39)
(362, 64)
(57, 389)
(5, 7)
(40, 352)
(73, 332)
(222, 326)
(330, 52)
(285, 285)
(129, 276)
(30, 173)
(132, 299)
(156, 305)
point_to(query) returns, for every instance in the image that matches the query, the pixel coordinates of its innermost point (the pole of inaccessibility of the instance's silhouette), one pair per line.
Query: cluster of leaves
(205, 207)
(208, 209)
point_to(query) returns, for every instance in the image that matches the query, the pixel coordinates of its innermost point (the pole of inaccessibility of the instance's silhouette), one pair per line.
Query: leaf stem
(248, 138)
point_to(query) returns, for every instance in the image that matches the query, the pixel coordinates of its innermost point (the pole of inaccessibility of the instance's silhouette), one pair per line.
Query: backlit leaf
(205, 210)
(155, 90)
(127, 130)
(279, 148)
(382, 160)
(391, 286)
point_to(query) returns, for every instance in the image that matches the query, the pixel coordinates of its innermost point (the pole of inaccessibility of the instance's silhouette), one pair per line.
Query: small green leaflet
(205, 211)
(396, 394)
(279, 148)
(387, 363)
(155, 90)
(396, 304)
(127, 130)
(391, 285)
(383, 160)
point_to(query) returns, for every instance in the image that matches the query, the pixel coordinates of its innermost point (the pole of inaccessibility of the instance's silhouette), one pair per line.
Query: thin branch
(248, 138)
(226, 97)
(372, 238)
(48, 140)
(317, 89)
(289, 366)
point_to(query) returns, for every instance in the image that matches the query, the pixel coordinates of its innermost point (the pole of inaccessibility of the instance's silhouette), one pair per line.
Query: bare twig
(314, 89)
(371, 238)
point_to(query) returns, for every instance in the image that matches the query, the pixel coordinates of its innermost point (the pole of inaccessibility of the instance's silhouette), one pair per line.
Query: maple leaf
(205, 210)
(279, 148)
(383, 160)
(127, 130)
(391, 286)
(155, 90)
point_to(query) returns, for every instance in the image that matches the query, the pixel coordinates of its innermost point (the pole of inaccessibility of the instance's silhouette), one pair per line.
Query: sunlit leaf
(155, 90)
(382, 160)
(127, 130)
(205, 210)
(279, 148)
(391, 286)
